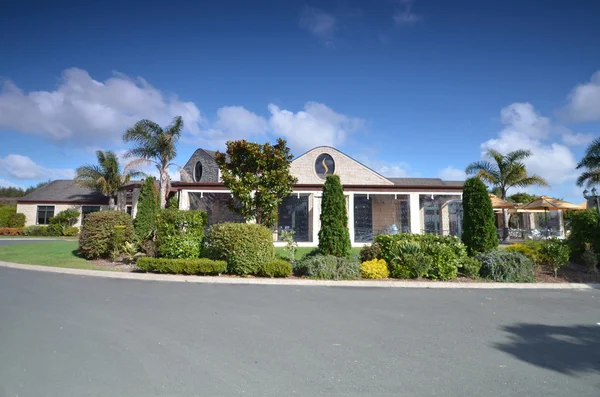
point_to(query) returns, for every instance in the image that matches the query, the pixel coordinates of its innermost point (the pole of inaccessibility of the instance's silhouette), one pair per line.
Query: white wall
(30, 211)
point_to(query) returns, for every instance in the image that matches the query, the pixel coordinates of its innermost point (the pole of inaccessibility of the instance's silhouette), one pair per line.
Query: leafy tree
(258, 176)
(479, 229)
(522, 198)
(18, 192)
(591, 163)
(504, 172)
(105, 177)
(155, 145)
(334, 237)
(147, 210)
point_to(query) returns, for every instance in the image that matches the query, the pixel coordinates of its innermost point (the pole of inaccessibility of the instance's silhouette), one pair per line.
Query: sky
(411, 88)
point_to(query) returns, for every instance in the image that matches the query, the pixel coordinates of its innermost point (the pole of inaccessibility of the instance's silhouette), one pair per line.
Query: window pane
(215, 205)
(295, 213)
(440, 214)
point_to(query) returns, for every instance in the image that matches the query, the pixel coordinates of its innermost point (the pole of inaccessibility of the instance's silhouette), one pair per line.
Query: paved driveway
(74, 336)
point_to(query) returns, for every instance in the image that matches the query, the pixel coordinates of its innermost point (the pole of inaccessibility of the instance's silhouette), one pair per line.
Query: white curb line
(297, 282)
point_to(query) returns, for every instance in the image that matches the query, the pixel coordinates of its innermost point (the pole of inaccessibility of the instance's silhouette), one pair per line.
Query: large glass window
(44, 213)
(376, 214)
(440, 214)
(216, 206)
(88, 209)
(295, 213)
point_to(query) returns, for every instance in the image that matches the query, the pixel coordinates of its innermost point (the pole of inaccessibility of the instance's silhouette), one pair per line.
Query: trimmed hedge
(16, 220)
(181, 266)
(245, 247)
(275, 268)
(329, 267)
(506, 266)
(374, 269)
(104, 233)
(41, 231)
(334, 237)
(147, 210)
(6, 211)
(584, 230)
(479, 225)
(179, 233)
(11, 231)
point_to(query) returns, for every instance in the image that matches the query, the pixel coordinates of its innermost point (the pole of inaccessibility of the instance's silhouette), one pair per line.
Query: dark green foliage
(329, 267)
(173, 202)
(258, 177)
(584, 229)
(555, 253)
(196, 266)
(147, 210)
(522, 198)
(506, 266)
(65, 218)
(179, 233)
(370, 252)
(70, 231)
(334, 237)
(98, 232)
(6, 211)
(590, 259)
(469, 267)
(16, 220)
(444, 252)
(18, 192)
(275, 268)
(412, 265)
(479, 226)
(245, 247)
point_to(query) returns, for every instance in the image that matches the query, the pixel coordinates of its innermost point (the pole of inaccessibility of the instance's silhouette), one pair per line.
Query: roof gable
(64, 191)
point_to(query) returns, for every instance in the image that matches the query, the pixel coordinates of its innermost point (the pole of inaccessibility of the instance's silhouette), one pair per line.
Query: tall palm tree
(591, 162)
(504, 172)
(105, 177)
(157, 146)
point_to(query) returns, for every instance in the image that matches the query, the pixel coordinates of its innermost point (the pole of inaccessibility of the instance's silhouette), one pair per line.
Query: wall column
(122, 200)
(184, 200)
(135, 195)
(351, 216)
(415, 213)
(316, 217)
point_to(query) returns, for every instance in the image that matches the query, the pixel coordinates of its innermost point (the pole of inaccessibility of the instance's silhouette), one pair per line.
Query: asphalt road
(75, 336)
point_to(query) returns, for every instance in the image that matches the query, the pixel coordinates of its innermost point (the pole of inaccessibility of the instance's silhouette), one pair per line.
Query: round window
(324, 165)
(198, 172)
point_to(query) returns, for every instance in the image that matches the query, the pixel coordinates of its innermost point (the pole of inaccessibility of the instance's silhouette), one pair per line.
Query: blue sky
(410, 88)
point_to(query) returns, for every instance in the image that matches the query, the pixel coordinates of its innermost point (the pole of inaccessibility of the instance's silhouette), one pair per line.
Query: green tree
(591, 163)
(147, 210)
(258, 177)
(105, 177)
(155, 145)
(504, 172)
(334, 237)
(522, 198)
(479, 226)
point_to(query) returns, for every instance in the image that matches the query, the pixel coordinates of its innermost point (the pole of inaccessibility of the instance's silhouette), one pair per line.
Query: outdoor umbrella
(499, 204)
(545, 203)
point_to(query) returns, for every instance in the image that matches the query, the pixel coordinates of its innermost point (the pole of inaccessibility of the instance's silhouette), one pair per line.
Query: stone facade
(30, 211)
(210, 168)
(350, 171)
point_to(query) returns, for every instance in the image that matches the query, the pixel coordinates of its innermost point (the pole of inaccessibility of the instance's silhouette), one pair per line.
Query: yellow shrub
(375, 269)
(530, 249)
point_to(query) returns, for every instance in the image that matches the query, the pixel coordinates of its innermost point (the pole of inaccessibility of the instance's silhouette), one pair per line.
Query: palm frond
(533, 180)
(496, 156)
(484, 170)
(589, 178)
(142, 132)
(517, 155)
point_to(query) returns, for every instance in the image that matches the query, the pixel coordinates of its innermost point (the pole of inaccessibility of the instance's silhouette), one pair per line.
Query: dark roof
(425, 182)
(64, 191)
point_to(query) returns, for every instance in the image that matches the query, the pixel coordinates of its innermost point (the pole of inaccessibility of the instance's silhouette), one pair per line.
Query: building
(375, 204)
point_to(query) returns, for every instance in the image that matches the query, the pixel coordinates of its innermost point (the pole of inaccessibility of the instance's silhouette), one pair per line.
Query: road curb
(296, 282)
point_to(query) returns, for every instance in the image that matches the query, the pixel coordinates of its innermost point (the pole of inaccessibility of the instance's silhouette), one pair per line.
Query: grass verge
(302, 251)
(46, 253)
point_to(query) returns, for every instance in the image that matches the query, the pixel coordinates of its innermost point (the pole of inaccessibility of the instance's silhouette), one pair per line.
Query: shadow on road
(569, 350)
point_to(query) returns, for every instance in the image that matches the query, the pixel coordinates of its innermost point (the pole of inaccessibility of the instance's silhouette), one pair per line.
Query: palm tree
(504, 172)
(155, 145)
(591, 162)
(105, 177)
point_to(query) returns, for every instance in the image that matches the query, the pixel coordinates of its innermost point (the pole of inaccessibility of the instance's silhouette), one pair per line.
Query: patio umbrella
(545, 203)
(499, 204)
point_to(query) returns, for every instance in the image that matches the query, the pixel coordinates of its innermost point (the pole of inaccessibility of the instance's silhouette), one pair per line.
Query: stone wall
(210, 169)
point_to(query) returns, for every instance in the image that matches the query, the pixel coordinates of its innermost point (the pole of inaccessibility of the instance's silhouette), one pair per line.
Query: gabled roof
(64, 191)
(426, 182)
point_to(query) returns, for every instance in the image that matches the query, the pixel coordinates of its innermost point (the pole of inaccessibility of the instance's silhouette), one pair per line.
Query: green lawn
(301, 251)
(45, 253)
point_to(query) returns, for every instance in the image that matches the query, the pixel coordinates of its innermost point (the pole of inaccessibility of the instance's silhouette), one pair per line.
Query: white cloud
(316, 125)
(584, 101)
(319, 23)
(452, 174)
(577, 139)
(237, 120)
(524, 128)
(5, 183)
(404, 14)
(22, 167)
(85, 110)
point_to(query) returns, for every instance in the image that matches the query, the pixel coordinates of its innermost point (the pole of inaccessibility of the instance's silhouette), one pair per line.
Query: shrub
(70, 231)
(334, 237)
(179, 233)
(245, 247)
(65, 218)
(275, 268)
(374, 269)
(147, 210)
(584, 229)
(556, 253)
(370, 252)
(531, 249)
(479, 226)
(16, 220)
(287, 236)
(329, 267)
(38, 231)
(590, 259)
(11, 231)
(98, 232)
(181, 266)
(469, 267)
(506, 266)
(6, 211)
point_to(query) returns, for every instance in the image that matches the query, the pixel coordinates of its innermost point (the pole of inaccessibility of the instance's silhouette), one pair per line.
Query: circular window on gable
(324, 165)
(198, 172)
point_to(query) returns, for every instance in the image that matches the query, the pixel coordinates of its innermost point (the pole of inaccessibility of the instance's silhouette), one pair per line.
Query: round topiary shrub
(245, 247)
(374, 269)
(506, 266)
(103, 234)
(275, 268)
